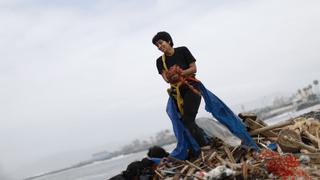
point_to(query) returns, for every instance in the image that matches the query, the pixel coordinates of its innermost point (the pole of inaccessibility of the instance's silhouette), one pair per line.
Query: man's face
(163, 46)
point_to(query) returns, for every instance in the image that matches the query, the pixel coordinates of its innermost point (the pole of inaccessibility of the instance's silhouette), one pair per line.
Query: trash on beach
(288, 149)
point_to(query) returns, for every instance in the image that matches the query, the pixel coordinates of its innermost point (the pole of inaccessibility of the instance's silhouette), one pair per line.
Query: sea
(103, 170)
(100, 170)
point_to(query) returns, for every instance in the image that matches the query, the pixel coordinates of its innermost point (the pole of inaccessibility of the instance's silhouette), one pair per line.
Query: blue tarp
(218, 110)
(226, 117)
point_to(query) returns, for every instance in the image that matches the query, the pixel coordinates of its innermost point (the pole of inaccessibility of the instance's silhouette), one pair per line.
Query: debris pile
(289, 149)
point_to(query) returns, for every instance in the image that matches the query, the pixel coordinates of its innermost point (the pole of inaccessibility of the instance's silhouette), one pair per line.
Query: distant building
(101, 156)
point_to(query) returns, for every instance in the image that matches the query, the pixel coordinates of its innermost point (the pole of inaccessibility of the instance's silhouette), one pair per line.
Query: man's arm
(191, 70)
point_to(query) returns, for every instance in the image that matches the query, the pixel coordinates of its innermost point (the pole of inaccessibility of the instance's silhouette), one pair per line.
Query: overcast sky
(81, 74)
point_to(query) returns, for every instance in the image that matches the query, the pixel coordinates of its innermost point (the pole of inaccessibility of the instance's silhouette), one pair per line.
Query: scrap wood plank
(244, 116)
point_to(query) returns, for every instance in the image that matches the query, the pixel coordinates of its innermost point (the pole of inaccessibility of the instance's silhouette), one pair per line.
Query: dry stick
(167, 171)
(190, 172)
(263, 129)
(279, 149)
(176, 160)
(257, 164)
(160, 175)
(193, 165)
(227, 150)
(212, 155)
(203, 159)
(258, 138)
(234, 149)
(184, 169)
(232, 165)
(161, 165)
(202, 156)
(244, 169)
(176, 167)
(263, 145)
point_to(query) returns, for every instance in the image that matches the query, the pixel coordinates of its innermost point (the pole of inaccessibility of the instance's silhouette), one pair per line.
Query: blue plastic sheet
(225, 116)
(185, 141)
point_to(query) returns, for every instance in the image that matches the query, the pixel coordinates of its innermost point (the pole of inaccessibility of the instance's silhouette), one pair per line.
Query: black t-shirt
(181, 57)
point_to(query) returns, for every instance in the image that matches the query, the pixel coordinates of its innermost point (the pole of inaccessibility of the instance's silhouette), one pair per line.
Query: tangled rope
(175, 77)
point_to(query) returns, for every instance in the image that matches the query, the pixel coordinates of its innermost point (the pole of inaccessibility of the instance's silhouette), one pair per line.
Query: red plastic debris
(282, 165)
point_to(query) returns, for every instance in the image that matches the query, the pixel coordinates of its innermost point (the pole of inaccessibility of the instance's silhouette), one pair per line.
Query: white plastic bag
(215, 129)
(219, 172)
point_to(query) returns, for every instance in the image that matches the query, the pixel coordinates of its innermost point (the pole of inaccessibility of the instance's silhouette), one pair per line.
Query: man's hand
(174, 79)
(174, 74)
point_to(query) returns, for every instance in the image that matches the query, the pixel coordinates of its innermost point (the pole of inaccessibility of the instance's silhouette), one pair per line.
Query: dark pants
(191, 103)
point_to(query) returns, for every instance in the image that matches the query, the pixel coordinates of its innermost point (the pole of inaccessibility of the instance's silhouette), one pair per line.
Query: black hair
(163, 36)
(157, 152)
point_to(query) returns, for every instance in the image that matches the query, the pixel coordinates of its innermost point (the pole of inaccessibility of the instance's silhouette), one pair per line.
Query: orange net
(283, 166)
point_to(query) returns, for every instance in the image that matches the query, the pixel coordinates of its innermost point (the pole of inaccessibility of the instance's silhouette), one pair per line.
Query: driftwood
(274, 126)
(301, 145)
(312, 138)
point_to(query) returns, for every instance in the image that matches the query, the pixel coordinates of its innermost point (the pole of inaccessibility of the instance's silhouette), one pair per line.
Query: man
(186, 99)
